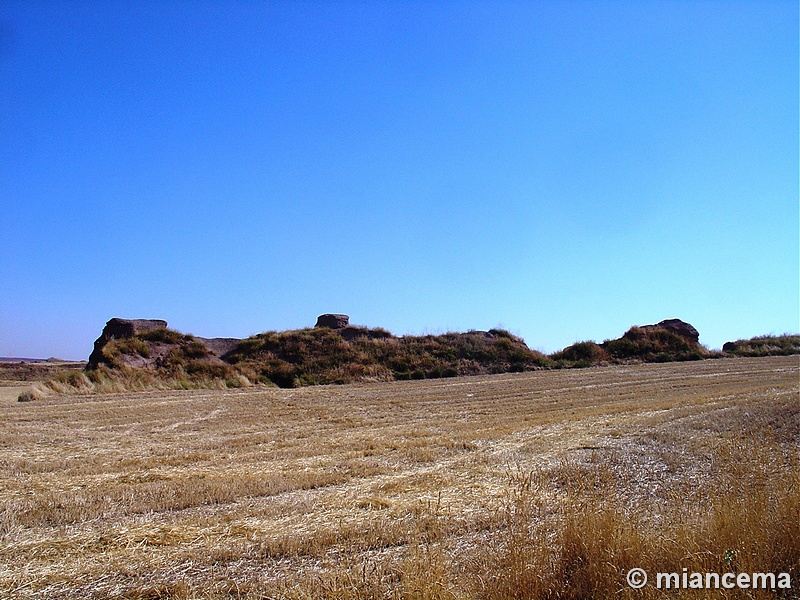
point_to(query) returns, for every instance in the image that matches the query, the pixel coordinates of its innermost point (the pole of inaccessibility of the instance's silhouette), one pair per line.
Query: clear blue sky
(561, 169)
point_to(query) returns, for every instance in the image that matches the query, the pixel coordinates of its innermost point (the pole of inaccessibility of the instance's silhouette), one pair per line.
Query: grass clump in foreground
(584, 547)
(572, 530)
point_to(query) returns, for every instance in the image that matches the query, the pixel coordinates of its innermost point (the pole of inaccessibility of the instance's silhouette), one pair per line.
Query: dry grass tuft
(31, 394)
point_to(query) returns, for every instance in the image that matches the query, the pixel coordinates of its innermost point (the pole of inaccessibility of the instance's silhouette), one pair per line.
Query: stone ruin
(117, 328)
(682, 328)
(341, 325)
(333, 321)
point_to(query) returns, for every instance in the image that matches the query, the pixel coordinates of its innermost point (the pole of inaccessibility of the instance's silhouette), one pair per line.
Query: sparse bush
(209, 370)
(653, 345)
(133, 345)
(764, 345)
(113, 351)
(164, 335)
(582, 354)
(195, 349)
(30, 395)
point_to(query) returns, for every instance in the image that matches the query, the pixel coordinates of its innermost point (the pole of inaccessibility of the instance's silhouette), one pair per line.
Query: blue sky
(561, 169)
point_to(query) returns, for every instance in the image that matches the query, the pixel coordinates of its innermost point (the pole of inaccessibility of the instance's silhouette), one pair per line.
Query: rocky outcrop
(682, 328)
(124, 328)
(117, 328)
(333, 321)
(219, 346)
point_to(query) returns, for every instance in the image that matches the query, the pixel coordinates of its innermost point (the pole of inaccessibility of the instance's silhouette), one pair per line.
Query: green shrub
(164, 335)
(116, 348)
(132, 346)
(195, 349)
(174, 360)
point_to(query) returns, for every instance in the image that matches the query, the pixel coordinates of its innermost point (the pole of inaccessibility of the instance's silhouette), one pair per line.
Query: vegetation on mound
(164, 358)
(155, 359)
(653, 345)
(292, 358)
(581, 354)
(764, 345)
(161, 349)
(638, 344)
(321, 355)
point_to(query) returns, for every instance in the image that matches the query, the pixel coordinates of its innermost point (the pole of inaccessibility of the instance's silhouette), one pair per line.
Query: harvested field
(545, 484)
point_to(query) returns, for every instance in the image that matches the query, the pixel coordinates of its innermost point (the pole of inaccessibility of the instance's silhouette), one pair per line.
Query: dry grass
(548, 484)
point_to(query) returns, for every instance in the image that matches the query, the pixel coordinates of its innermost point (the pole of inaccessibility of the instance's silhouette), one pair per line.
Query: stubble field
(546, 484)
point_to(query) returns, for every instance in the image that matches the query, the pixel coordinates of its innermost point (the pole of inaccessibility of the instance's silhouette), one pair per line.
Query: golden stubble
(532, 485)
